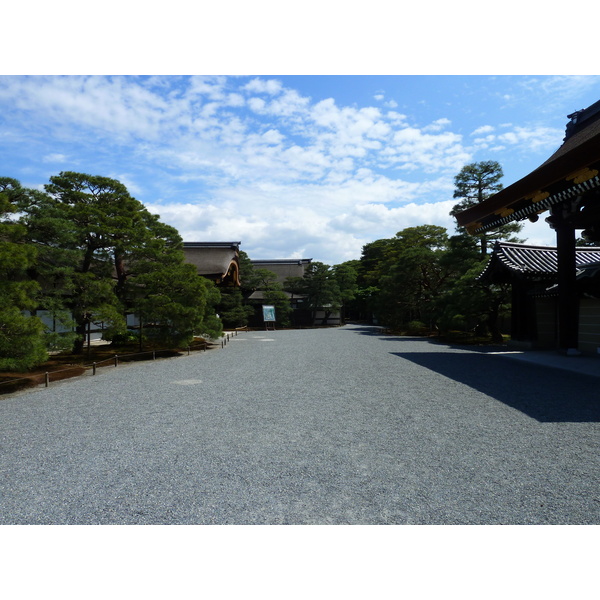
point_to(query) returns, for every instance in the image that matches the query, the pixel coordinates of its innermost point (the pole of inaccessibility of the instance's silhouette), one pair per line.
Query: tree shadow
(543, 393)
(373, 330)
(380, 332)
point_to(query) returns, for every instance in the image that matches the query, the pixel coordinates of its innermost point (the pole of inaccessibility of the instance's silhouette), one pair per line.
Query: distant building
(295, 267)
(217, 261)
(284, 267)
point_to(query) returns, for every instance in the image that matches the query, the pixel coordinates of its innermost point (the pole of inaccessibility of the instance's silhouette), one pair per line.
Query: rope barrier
(93, 366)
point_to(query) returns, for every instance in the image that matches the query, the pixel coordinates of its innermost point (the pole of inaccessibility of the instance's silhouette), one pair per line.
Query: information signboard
(268, 313)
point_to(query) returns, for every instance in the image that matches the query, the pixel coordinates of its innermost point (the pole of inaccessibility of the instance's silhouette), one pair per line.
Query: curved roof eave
(576, 162)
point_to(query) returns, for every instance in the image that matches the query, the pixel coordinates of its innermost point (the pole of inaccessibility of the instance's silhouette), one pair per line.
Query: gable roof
(214, 260)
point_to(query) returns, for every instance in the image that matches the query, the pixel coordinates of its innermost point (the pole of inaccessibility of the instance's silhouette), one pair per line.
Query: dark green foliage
(345, 275)
(21, 343)
(101, 255)
(325, 288)
(475, 183)
(233, 311)
(412, 276)
(276, 297)
(78, 226)
(427, 281)
(319, 287)
(176, 304)
(472, 305)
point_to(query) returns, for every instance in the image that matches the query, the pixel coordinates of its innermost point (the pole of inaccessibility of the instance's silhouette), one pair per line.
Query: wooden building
(532, 272)
(217, 261)
(567, 186)
(295, 267)
(283, 267)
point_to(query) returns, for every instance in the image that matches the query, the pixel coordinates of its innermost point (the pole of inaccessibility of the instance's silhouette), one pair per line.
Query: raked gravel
(314, 426)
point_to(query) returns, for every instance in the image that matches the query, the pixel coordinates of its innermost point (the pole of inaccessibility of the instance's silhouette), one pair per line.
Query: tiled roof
(534, 261)
(572, 170)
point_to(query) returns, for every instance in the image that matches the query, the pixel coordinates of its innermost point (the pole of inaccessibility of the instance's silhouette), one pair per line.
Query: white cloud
(533, 138)
(483, 129)
(253, 160)
(562, 87)
(437, 125)
(264, 86)
(235, 100)
(411, 149)
(330, 222)
(396, 118)
(525, 139)
(257, 104)
(287, 104)
(212, 87)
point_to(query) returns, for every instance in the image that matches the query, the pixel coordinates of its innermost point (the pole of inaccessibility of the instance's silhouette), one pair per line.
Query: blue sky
(291, 166)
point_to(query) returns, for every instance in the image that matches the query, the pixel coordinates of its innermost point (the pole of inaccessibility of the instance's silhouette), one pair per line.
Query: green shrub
(417, 328)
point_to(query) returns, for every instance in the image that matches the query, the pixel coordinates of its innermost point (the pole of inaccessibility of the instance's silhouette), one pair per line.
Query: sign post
(269, 316)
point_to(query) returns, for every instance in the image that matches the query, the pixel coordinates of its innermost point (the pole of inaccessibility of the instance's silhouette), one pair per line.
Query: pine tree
(475, 183)
(102, 255)
(21, 335)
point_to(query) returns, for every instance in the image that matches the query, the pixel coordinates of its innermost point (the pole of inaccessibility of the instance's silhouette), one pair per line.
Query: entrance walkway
(316, 426)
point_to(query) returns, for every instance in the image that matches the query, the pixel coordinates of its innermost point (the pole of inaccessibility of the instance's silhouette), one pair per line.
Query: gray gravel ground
(317, 426)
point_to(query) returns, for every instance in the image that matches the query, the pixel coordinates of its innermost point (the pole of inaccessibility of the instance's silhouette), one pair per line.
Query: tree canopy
(21, 343)
(96, 254)
(475, 183)
(422, 279)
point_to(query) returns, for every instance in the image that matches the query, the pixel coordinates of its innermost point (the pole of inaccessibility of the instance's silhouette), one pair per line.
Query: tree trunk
(121, 273)
(493, 326)
(79, 342)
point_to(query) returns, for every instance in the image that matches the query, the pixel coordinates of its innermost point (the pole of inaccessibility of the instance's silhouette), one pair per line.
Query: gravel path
(331, 426)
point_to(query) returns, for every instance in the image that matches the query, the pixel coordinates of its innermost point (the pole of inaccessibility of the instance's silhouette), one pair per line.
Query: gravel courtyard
(316, 426)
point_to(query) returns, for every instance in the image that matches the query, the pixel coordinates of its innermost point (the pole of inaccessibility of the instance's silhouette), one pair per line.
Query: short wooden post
(93, 368)
(116, 360)
(47, 378)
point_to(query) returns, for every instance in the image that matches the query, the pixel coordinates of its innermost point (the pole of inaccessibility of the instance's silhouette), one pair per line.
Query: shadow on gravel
(540, 392)
(375, 331)
(364, 329)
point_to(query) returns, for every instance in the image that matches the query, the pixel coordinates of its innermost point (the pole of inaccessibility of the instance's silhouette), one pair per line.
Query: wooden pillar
(517, 328)
(522, 316)
(568, 300)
